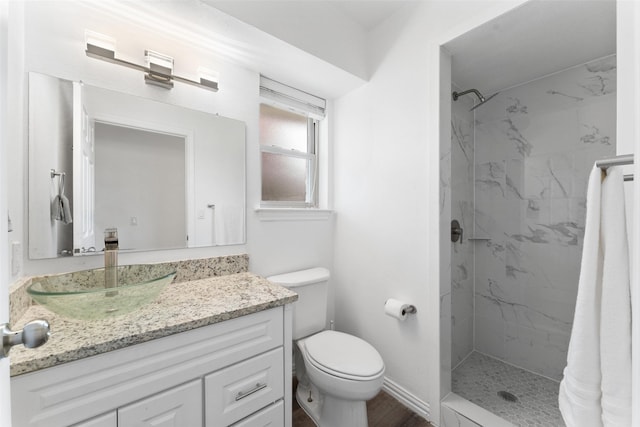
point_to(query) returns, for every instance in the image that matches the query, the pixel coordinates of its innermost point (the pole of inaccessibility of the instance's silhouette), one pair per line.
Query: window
(288, 148)
(288, 145)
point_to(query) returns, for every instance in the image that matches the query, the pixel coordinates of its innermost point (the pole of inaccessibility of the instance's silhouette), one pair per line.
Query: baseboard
(403, 396)
(407, 398)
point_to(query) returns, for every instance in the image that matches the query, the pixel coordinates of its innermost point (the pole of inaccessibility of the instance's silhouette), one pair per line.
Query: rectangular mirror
(166, 177)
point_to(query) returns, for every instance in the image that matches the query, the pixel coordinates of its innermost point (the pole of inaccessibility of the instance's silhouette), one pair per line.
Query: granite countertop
(180, 307)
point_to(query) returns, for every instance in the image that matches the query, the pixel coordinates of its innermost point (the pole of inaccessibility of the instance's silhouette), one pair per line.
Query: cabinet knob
(34, 334)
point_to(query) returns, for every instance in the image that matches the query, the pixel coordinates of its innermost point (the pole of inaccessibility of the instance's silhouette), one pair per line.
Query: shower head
(482, 99)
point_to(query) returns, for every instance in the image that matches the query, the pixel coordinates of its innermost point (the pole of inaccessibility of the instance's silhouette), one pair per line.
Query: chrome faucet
(111, 259)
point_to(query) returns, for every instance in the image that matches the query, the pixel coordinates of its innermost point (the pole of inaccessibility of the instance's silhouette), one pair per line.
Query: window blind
(292, 97)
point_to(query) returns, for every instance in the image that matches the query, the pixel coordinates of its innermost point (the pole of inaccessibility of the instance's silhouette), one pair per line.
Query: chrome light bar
(159, 68)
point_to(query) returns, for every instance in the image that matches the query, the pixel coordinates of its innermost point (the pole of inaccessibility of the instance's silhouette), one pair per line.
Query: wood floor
(382, 411)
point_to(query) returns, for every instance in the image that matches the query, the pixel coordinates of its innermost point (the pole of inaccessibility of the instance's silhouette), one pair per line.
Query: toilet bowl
(342, 365)
(337, 372)
(343, 372)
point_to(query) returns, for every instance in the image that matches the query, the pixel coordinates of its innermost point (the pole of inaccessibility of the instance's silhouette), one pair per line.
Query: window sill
(293, 214)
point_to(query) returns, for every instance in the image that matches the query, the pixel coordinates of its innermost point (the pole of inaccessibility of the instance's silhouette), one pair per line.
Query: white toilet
(337, 372)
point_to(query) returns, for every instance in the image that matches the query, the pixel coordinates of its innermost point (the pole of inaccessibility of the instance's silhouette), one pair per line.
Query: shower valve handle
(456, 231)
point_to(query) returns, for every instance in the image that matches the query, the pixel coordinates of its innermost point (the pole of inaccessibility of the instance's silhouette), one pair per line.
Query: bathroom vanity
(209, 352)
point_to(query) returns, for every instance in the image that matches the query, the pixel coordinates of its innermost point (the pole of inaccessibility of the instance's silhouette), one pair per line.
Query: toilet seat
(343, 355)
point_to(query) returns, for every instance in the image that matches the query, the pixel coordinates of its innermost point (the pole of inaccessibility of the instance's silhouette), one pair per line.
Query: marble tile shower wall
(534, 147)
(462, 271)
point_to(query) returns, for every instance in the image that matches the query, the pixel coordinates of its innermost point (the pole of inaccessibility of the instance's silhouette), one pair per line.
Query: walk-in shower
(519, 169)
(514, 174)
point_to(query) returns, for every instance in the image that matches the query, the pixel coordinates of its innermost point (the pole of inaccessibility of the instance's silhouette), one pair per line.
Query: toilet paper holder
(399, 309)
(410, 310)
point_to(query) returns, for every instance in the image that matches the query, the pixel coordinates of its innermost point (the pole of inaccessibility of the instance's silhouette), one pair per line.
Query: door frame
(628, 127)
(5, 270)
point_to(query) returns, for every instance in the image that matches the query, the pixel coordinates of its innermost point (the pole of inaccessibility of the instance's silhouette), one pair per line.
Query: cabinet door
(272, 416)
(180, 406)
(233, 393)
(106, 420)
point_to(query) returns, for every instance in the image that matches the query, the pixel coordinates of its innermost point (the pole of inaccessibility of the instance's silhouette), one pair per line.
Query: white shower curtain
(596, 388)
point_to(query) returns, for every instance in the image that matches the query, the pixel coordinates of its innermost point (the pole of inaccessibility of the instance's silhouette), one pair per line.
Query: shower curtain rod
(625, 159)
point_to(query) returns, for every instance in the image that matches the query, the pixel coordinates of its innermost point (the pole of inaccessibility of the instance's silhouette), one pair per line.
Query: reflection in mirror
(165, 176)
(122, 156)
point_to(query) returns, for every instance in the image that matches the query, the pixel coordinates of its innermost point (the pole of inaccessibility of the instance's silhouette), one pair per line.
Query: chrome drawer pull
(257, 388)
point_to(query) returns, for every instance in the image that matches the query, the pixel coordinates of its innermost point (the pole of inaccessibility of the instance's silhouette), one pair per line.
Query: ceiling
(539, 38)
(335, 31)
(368, 13)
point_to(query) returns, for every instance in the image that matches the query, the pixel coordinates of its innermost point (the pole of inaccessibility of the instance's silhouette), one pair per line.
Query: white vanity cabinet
(105, 420)
(236, 372)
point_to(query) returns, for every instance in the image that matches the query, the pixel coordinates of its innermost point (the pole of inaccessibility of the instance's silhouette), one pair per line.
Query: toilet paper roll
(397, 309)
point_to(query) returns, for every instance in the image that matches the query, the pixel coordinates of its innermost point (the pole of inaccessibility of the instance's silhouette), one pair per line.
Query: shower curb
(474, 412)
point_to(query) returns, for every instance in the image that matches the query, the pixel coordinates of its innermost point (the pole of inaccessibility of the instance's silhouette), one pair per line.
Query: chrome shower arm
(456, 95)
(482, 99)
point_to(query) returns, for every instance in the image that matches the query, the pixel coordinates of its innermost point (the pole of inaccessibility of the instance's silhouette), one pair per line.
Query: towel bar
(54, 173)
(625, 159)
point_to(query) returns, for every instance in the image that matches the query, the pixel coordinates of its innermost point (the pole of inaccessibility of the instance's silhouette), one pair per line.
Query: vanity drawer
(272, 416)
(177, 407)
(106, 420)
(244, 388)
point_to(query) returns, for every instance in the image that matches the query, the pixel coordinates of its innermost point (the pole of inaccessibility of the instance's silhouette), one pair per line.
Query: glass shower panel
(535, 145)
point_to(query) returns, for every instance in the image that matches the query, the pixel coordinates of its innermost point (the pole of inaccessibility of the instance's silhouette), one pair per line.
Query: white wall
(54, 44)
(386, 195)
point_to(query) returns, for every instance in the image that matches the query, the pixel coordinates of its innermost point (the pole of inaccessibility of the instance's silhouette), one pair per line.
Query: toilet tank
(310, 311)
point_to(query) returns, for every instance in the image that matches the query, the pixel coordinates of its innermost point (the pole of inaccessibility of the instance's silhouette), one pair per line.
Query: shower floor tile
(479, 378)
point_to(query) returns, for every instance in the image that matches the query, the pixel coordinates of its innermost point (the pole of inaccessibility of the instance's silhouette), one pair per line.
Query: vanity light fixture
(209, 78)
(158, 69)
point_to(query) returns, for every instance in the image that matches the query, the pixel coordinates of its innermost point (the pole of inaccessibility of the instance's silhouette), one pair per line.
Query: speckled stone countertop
(180, 307)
